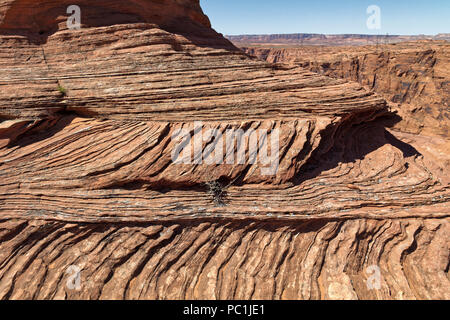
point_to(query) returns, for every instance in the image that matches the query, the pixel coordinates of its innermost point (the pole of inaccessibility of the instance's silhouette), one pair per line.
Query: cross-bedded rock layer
(412, 76)
(88, 178)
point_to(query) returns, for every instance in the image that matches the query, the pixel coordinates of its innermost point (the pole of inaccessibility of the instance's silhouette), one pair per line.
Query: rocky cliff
(89, 183)
(412, 76)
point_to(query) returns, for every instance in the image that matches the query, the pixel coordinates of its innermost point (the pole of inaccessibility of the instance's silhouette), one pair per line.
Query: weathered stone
(87, 177)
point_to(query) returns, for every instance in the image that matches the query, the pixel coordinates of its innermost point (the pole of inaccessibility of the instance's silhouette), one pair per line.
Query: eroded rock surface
(88, 178)
(413, 76)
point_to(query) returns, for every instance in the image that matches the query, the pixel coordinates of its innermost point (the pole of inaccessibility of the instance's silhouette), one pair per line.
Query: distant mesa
(329, 39)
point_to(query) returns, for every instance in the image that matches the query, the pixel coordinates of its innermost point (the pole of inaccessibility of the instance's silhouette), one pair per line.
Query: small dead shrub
(217, 192)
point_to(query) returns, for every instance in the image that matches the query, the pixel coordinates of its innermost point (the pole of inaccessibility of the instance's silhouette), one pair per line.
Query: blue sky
(407, 17)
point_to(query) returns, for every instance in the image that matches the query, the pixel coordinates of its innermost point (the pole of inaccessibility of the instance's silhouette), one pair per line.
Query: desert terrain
(88, 181)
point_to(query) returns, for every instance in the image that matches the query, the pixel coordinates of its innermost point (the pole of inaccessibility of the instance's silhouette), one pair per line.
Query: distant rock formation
(413, 76)
(89, 187)
(328, 39)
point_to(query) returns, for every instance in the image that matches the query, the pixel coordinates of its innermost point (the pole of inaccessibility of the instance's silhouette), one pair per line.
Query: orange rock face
(90, 121)
(413, 76)
(317, 39)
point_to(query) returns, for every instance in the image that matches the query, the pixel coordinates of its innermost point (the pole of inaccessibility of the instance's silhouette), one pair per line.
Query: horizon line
(337, 34)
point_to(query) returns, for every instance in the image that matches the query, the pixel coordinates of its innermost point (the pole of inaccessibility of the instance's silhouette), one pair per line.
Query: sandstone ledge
(87, 177)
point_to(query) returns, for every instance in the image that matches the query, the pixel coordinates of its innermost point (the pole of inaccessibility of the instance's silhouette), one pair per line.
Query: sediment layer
(88, 178)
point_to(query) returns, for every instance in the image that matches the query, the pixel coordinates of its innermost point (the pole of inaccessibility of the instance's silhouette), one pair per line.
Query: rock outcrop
(413, 76)
(89, 123)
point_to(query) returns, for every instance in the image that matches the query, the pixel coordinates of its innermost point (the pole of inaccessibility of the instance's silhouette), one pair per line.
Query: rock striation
(88, 179)
(412, 76)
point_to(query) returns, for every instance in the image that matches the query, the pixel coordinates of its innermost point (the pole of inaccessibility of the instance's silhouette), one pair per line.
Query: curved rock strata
(412, 76)
(88, 178)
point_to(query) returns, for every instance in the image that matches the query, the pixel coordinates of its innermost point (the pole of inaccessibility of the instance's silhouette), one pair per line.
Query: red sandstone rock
(412, 76)
(87, 177)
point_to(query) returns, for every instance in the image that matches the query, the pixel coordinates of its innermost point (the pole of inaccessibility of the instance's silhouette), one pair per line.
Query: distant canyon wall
(329, 39)
(414, 77)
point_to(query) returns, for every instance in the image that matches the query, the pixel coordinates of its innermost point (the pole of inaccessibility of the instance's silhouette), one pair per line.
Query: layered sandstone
(412, 76)
(88, 178)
